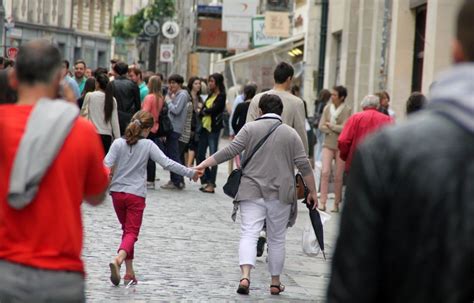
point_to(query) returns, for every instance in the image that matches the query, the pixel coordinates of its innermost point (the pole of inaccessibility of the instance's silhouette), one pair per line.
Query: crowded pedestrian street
(187, 251)
(236, 151)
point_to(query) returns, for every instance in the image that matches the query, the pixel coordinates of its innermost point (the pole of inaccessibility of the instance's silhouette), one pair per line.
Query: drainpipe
(322, 42)
(385, 44)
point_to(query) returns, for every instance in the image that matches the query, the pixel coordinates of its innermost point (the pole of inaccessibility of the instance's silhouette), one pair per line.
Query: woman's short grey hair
(370, 101)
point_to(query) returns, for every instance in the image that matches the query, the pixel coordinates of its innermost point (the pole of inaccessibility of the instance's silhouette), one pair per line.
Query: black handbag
(233, 181)
(165, 127)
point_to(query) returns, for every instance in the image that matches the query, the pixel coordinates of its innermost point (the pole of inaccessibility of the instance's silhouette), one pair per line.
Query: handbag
(165, 127)
(302, 190)
(233, 181)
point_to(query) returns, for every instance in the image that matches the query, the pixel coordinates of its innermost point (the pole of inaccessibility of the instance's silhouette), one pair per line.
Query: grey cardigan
(270, 174)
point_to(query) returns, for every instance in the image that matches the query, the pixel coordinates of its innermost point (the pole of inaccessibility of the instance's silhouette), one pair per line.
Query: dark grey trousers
(20, 283)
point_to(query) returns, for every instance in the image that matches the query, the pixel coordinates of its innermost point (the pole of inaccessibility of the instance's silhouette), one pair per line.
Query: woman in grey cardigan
(267, 188)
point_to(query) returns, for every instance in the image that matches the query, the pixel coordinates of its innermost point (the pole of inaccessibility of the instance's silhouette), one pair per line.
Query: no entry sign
(12, 52)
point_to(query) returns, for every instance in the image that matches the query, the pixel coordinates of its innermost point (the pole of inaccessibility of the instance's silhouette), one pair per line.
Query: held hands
(312, 199)
(197, 174)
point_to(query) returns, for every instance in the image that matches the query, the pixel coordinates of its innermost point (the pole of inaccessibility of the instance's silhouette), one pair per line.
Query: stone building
(394, 45)
(80, 28)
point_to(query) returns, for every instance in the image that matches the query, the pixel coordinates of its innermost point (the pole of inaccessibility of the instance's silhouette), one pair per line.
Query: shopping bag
(309, 241)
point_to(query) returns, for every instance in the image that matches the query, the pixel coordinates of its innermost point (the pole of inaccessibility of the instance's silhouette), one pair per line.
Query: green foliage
(132, 26)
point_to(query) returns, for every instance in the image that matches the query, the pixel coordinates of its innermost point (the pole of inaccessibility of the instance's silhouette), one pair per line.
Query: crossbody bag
(233, 181)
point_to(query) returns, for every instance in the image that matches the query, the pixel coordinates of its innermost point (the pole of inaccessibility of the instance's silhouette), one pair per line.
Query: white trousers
(253, 215)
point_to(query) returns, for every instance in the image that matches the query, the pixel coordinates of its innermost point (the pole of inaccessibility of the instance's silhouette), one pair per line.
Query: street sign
(166, 52)
(170, 29)
(12, 52)
(151, 28)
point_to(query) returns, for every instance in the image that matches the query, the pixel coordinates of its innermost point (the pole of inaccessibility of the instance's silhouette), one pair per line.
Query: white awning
(264, 49)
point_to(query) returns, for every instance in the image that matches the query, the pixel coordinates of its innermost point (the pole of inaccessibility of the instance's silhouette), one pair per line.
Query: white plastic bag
(310, 244)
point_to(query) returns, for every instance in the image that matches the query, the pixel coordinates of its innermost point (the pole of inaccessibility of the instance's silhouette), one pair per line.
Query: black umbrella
(313, 215)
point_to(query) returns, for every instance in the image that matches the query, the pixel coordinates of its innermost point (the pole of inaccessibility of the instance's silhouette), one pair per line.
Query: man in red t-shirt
(41, 242)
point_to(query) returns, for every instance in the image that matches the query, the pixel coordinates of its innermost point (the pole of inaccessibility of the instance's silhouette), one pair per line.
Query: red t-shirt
(47, 233)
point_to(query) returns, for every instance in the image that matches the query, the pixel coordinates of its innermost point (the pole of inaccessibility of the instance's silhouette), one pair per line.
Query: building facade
(80, 28)
(394, 45)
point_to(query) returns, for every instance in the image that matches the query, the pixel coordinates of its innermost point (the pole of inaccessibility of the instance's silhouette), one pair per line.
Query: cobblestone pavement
(188, 251)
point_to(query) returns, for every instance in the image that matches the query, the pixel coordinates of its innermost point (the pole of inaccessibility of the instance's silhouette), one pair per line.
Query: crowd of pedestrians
(404, 227)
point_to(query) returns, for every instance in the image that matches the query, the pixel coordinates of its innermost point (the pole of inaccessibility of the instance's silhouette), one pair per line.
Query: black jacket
(407, 228)
(239, 117)
(216, 111)
(127, 94)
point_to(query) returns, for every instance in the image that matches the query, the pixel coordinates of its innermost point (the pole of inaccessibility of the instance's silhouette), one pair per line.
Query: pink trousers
(129, 209)
(328, 156)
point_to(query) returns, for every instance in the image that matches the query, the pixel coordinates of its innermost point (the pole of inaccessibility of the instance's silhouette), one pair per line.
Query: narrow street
(188, 250)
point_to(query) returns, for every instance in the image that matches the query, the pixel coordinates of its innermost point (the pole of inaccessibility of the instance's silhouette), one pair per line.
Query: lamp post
(2, 29)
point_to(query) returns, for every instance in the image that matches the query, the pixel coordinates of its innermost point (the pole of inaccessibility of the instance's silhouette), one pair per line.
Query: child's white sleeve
(112, 155)
(158, 156)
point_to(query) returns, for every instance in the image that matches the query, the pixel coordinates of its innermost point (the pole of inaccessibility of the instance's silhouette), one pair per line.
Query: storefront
(257, 65)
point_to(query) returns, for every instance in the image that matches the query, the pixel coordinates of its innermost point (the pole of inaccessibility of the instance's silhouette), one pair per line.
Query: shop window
(101, 59)
(419, 48)
(77, 53)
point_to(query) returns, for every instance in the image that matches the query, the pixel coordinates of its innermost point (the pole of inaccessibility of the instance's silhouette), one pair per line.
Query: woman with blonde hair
(153, 103)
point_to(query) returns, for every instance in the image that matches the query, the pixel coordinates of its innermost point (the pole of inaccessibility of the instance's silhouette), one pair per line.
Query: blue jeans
(211, 140)
(172, 151)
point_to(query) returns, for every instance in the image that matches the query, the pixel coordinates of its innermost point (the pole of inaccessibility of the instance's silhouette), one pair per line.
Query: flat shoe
(129, 280)
(277, 289)
(243, 290)
(114, 273)
(335, 210)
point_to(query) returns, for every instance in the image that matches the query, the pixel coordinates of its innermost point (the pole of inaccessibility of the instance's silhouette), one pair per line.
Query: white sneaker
(150, 185)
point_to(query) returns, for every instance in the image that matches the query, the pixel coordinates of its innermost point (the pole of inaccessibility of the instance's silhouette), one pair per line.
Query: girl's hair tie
(137, 122)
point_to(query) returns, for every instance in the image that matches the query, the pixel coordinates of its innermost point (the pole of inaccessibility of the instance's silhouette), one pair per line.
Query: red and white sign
(166, 52)
(12, 52)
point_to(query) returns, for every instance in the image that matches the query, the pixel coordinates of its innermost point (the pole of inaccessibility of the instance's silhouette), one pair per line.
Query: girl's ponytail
(140, 121)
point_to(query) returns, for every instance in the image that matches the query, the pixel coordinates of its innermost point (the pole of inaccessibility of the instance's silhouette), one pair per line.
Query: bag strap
(259, 144)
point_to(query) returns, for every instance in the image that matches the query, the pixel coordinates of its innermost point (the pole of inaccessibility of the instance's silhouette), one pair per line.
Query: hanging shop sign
(237, 40)
(258, 33)
(237, 15)
(170, 29)
(151, 28)
(277, 24)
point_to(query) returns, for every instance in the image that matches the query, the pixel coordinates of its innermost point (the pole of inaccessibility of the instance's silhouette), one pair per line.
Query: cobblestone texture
(188, 251)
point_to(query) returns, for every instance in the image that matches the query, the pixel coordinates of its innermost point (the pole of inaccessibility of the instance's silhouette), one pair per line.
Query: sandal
(114, 273)
(207, 191)
(243, 289)
(129, 280)
(277, 289)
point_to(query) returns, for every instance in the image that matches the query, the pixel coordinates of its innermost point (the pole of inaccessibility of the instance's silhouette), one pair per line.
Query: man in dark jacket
(127, 94)
(407, 229)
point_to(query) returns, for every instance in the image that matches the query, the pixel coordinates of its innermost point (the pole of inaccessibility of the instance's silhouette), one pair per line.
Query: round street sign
(170, 29)
(12, 52)
(151, 28)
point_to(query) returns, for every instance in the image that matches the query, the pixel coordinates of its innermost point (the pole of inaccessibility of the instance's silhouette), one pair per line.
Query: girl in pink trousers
(127, 159)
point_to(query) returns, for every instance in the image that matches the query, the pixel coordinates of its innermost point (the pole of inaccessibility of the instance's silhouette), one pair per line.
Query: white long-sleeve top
(94, 107)
(129, 162)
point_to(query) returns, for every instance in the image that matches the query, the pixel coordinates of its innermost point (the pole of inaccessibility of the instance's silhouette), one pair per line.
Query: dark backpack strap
(259, 144)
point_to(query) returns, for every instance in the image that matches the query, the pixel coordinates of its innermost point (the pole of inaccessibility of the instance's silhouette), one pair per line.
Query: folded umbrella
(314, 215)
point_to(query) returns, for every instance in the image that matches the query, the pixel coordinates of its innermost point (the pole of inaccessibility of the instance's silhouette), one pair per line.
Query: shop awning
(257, 65)
(294, 41)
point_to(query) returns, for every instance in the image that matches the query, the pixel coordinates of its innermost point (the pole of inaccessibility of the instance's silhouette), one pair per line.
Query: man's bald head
(38, 62)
